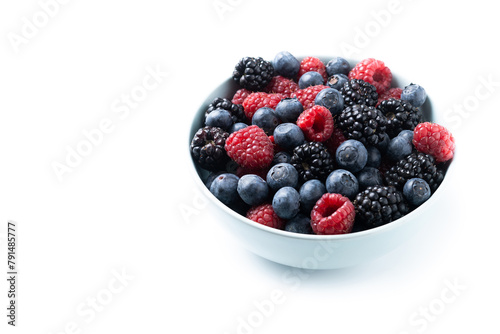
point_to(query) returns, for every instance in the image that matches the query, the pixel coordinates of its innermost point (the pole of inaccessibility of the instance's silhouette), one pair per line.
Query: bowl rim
(312, 237)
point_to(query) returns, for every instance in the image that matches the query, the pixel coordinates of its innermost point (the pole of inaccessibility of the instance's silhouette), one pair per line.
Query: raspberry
(306, 96)
(335, 140)
(264, 214)
(393, 93)
(258, 100)
(312, 64)
(281, 85)
(374, 72)
(316, 123)
(240, 95)
(332, 214)
(435, 140)
(250, 148)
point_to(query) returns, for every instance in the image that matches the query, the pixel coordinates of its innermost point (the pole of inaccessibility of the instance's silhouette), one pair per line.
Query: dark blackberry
(401, 115)
(417, 164)
(236, 110)
(253, 73)
(379, 205)
(357, 91)
(363, 123)
(313, 161)
(207, 148)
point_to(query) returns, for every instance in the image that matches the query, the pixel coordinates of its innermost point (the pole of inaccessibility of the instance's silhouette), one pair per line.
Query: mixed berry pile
(319, 148)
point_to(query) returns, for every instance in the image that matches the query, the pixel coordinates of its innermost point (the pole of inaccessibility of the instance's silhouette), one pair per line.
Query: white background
(119, 209)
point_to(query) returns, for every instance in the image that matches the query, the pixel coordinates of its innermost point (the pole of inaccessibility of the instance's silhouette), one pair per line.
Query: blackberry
(357, 91)
(207, 148)
(363, 123)
(417, 164)
(401, 115)
(313, 161)
(236, 110)
(379, 205)
(253, 73)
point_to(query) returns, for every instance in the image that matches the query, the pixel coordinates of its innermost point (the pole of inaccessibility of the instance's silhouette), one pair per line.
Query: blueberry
(338, 65)
(288, 136)
(237, 126)
(369, 176)
(408, 134)
(399, 147)
(310, 193)
(265, 119)
(383, 143)
(224, 187)
(289, 109)
(220, 118)
(286, 202)
(311, 78)
(416, 191)
(299, 224)
(336, 81)
(331, 99)
(374, 157)
(252, 189)
(282, 175)
(286, 64)
(281, 157)
(343, 182)
(351, 155)
(415, 94)
(211, 177)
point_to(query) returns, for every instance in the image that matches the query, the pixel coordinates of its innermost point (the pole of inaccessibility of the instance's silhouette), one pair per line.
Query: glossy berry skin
(207, 148)
(311, 78)
(343, 182)
(258, 100)
(316, 123)
(332, 214)
(391, 93)
(399, 148)
(281, 85)
(312, 64)
(331, 99)
(407, 134)
(286, 64)
(415, 94)
(224, 187)
(252, 189)
(265, 215)
(250, 147)
(416, 191)
(265, 119)
(368, 177)
(299, 224)
(310, 192)
(281, 157)
(286, 202)
(351, 155)
(338, 65)
(336, 81)
(288, 136)
(374, 72)
(237, 126)
(220, 118)
(282, 175)
(374, 157)
(289, 109)
(253, 73)
(435, 140)
(306, 96)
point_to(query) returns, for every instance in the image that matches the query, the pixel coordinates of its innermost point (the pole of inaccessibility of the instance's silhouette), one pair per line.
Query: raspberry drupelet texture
(240, 95)
(392, 93)
(258, 100)
(264, 214)
(434, 139)
(313, 64)
(316, 123)
(250, 147)
(332, 214)
(281, 85)
(307, 96)
(374, 72)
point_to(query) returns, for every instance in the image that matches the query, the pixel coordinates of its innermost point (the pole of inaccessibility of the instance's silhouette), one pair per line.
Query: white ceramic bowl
(315, 251)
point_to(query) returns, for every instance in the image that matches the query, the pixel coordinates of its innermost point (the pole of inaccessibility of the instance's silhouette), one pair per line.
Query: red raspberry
(250, 148)
(316, 123)
(265, 215)
(309, 64)
(332, 214)
(306, 96)
(435, 140)
(240, 95)
(281, 85)
(258, 100)
(335, 140)
(393, 93)
(374, 72)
